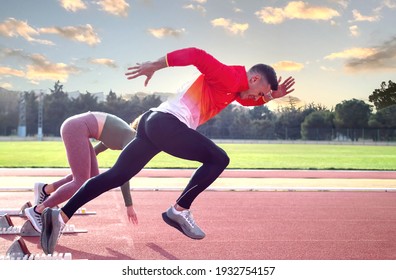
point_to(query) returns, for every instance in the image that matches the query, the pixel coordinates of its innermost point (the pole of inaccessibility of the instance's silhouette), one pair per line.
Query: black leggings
(157, 132)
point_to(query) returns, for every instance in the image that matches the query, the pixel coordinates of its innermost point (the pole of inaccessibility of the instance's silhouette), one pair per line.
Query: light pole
(40, 117)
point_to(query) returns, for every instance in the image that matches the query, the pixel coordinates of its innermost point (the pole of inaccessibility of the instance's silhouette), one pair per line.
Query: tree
(83, 103)
(352, 114)
(288, 122)
(385, 96)
(56, 109)
(241, 127)
(317, 126)
(261, 113)
(31, 113)
(8, 113)
(385, 120)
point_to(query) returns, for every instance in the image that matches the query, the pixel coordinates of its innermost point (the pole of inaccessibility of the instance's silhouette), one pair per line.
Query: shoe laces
(37, 216)
(43, 196)
(187, 215)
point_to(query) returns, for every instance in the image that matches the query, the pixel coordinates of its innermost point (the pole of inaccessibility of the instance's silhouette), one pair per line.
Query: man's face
(258, 86)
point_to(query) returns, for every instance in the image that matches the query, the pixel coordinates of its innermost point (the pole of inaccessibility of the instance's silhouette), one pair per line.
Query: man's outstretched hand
(283, 88)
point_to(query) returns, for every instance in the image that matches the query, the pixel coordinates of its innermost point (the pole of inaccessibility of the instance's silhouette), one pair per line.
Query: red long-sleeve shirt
(211, 92)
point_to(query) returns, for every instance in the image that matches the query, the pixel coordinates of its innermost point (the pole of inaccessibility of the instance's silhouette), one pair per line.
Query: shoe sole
(177, 226)
(47, 224)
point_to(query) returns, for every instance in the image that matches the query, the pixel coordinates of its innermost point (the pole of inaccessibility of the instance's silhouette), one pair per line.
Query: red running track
(239, 225)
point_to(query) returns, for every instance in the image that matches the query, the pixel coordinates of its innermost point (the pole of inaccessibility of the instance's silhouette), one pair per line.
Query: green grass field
(243, 156)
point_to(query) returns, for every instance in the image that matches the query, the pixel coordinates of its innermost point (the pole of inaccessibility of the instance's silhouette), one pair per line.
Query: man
(171, 128)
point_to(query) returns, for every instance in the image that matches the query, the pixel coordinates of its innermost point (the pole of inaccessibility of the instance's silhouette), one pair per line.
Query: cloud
(193, 7)
(38, 67)
(327, 69)
(114, 7)
(6, 85)
(376, 16)
(15, 28)
(104, 61)
(382, 58)
(166, 32)
(357, 16)
(42, 69)
(391, 4)
(295, 10)
(84, 34)
(73, 5)
(359, 53)
(288, 66)
(232, 27)
(7, 71)
(354, 29)
(343, 3)
(200, 1)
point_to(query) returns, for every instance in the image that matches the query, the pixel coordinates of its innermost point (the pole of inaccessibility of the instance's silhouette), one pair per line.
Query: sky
(335, 49)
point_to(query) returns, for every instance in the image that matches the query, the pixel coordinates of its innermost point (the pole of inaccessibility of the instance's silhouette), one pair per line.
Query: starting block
(21, 212)
(27, 229)
(19, 251)
(16, 212)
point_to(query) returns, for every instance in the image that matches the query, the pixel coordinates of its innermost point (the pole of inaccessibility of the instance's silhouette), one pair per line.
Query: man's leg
(172, 136)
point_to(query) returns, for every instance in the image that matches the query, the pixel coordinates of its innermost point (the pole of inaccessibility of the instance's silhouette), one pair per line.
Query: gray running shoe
(184, 222)
(34, 218)
(52, 229)
(39, 195)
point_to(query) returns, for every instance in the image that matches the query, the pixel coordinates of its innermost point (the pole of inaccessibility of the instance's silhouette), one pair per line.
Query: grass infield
(243, 156)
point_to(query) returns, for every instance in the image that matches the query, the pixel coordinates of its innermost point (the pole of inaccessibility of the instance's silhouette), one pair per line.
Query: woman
(76, 131)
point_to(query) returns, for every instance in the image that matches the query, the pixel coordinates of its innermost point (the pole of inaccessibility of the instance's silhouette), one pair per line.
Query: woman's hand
(132, 216)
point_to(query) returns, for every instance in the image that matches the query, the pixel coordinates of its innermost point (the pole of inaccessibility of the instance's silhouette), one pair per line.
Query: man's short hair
(268, 72)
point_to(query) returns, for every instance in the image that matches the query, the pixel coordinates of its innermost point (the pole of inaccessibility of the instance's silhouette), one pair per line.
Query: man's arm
(205, 63)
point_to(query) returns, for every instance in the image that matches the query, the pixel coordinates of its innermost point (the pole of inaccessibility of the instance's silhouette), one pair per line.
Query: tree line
(349, 120)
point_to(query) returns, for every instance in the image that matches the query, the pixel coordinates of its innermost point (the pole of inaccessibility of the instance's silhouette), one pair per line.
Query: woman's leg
(131, 160)
(79, 151)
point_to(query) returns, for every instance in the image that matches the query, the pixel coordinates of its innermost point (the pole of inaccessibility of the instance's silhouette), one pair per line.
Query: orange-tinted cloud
(16, 28)
(114, 7)
(7, 71)
(166, 32)
(84, 34)
(296, 10)
(288, 66)
(232, 27)
(104, 61)
(73, 5)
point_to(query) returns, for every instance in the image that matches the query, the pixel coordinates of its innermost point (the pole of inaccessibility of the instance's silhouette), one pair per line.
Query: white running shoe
(34, 218)
(39, 195)
(184, 222)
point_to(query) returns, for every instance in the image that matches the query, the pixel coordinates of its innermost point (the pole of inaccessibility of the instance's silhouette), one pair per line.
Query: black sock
(34, 209)
(44, 190)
